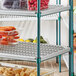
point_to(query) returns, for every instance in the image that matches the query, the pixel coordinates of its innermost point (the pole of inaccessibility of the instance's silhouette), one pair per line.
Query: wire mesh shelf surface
(28, 51)
(22, 18)
(51, 10)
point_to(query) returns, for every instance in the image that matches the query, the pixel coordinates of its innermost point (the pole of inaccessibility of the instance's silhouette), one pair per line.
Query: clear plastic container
(14, 4)
(23, 4)
(24, 70)
(8, 37)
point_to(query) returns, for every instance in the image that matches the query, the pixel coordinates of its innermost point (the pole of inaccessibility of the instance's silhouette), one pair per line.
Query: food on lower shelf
(2, 70)
(29, 40)
(35, 41)
(40, 37)
(8, 35)
(21, 40)
(19, 72)
(41, 40)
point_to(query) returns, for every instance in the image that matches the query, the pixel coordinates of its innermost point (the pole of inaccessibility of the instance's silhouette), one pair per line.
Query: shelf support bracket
(38, 60)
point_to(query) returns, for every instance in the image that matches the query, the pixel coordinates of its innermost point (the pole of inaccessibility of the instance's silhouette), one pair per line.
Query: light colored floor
(51, 64)
(56, 67)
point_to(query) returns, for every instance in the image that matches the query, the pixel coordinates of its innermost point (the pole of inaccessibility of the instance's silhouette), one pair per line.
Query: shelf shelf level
(28, 51)
(22, 18)
(51, 10)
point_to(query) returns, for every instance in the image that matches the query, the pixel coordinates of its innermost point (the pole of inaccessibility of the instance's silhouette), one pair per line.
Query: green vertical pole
(71, 54)
(59, 37)
(57, 34)
(38, 38)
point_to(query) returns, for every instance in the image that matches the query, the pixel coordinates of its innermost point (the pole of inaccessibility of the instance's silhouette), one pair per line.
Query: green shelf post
(57, 34)
(38, 38)
(59, 37)
(71, 53)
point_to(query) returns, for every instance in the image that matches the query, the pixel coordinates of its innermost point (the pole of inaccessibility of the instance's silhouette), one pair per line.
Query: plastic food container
(8, 35)
(14, 4)
(23, 4)
(21, 70)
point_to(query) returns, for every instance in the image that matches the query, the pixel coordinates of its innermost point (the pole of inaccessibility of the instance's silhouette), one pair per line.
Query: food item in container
(2, 70)
(8, 34)
(14, 4)
(9, 73)
(24, 69)
(0, 36)
(32, 4)
(10, 27)
(13, 41)
(29, 71)
(16, 37)
(7, 28)
(15, 33)
(17, 75)
(35, 73)
(23, 4)
(17, 71)
(9, 69)
(8, 3)
(3, 42)
(20, 72)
